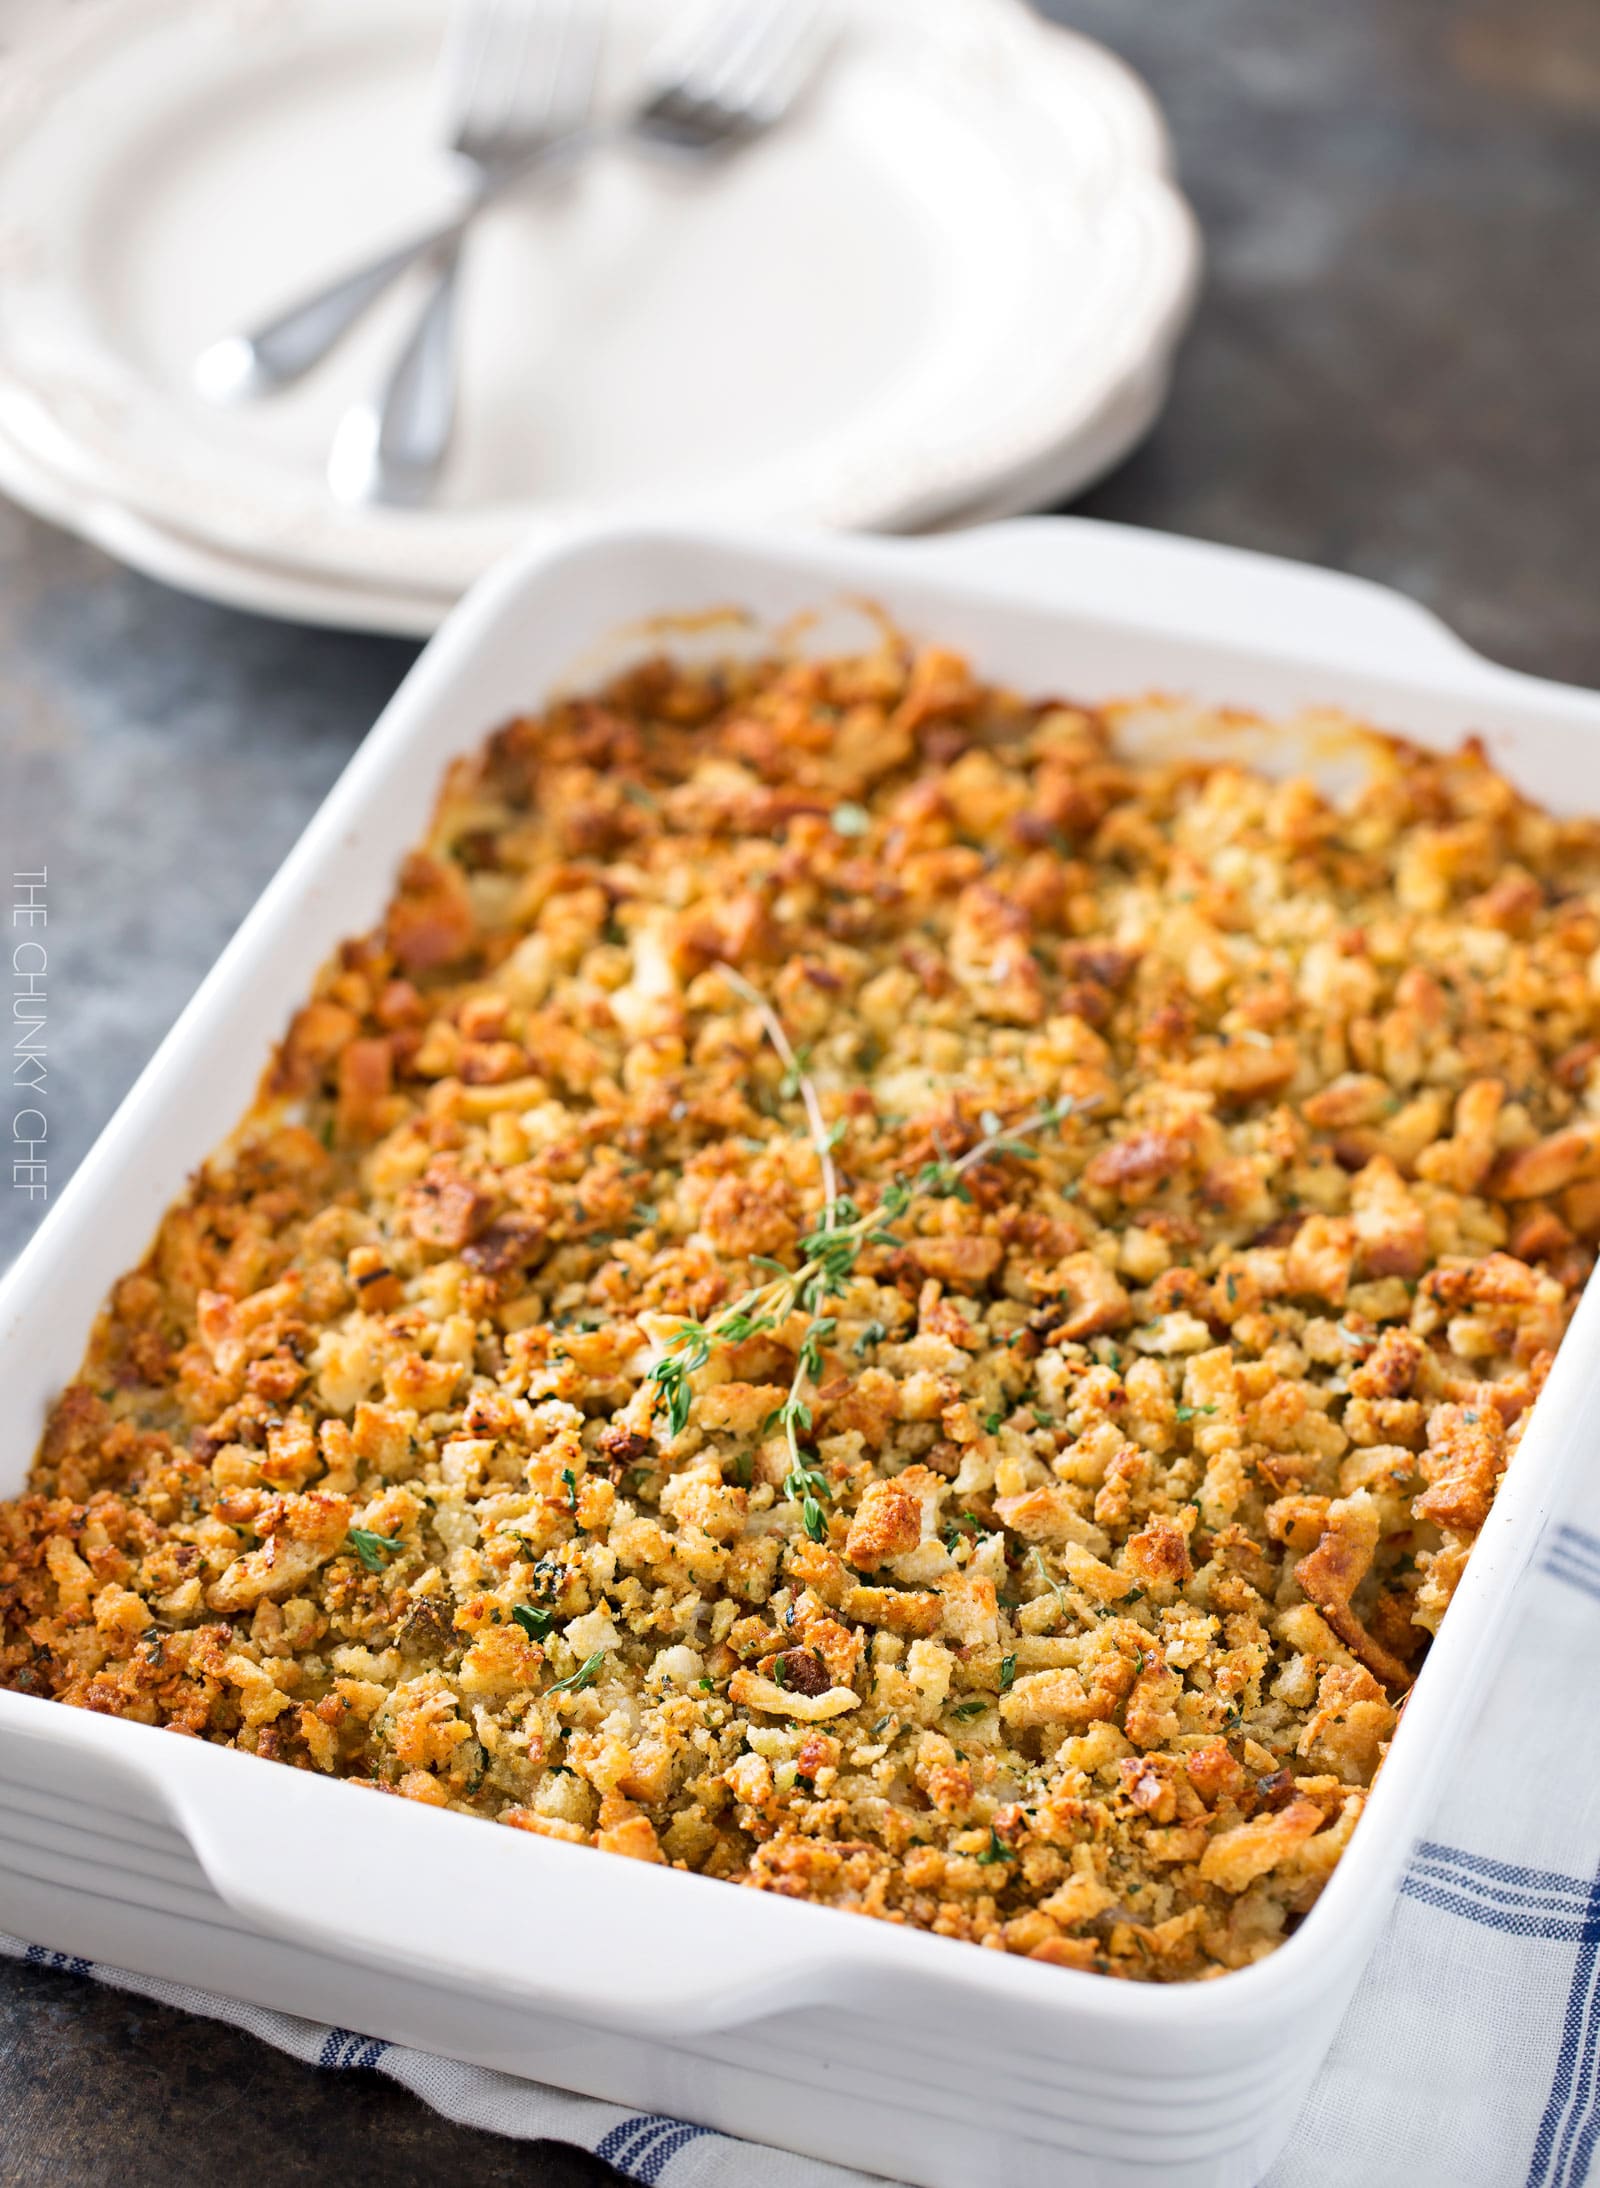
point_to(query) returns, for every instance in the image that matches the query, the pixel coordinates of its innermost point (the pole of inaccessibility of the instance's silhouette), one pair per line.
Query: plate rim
(261, 586)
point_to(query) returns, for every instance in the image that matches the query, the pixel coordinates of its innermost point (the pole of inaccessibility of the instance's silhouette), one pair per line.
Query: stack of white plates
(948, 288)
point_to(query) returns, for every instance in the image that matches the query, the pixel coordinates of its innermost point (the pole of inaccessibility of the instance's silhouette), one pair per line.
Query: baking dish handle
(418, 1891)
(1223, 595)
(361, 1877)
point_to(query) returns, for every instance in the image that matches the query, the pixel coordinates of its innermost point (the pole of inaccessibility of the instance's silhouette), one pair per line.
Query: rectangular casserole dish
(883, 2048)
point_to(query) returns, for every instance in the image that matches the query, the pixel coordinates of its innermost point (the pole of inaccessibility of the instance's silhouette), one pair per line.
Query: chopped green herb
(968, 1710)
(534, 1623)
(1188, 1412)
(585, 1676)
(996, 1850)
(794, 1076)
(372, 1549)
(1008, 1672)
(1054, 1585)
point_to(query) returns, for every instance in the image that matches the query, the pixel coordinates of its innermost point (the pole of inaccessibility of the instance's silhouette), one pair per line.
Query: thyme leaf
(585, 1676)
(373, 1549)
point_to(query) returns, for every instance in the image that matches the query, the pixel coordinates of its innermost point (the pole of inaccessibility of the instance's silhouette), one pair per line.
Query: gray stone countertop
(1393, 371)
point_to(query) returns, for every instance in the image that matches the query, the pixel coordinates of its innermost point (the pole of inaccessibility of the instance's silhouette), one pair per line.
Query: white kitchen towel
(1470, 2057)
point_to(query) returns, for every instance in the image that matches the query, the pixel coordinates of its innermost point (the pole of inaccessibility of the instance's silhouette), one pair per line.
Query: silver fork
(523, 72)
(516, 78)
(735, 75)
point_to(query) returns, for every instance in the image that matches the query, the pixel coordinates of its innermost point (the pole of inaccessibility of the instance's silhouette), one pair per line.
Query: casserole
(573, 1980)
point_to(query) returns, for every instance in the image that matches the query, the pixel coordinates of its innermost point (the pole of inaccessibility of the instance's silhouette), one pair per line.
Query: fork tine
(776, 73)
(466, 37)
(483, 45)
(692, 51)
(555, 39)
(746, 25)
(573, 87)
(521, 34)
(533, 78)
(737, 73)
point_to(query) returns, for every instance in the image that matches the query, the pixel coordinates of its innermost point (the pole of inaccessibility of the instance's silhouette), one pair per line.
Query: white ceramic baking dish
(848, 2039)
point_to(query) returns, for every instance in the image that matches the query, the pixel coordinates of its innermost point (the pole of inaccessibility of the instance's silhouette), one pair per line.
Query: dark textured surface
(102, 2090)
(1393, 372)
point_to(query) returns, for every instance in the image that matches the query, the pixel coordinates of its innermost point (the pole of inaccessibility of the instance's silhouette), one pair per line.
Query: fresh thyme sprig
(830, 1252)
(794, 1070)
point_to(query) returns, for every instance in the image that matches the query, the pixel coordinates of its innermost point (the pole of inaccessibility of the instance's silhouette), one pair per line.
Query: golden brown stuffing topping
(859, 1292)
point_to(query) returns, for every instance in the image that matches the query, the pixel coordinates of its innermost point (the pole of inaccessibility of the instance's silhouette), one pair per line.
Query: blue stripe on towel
(1564, 2144)
(342, 2048)
(1559, 1564)
(644, 2146)
(1544, 1929)
(40, 1956)
(1506, 1872)
(1558, 1899)
(1537, 1904)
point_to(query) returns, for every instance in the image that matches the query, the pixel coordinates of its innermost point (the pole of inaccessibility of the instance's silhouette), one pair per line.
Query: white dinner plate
(277, 589)
(926, 295)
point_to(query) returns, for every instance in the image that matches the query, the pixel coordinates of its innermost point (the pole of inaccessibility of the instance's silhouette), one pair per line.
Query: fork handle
(284, 347)
(279, 351)
(388, 448)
